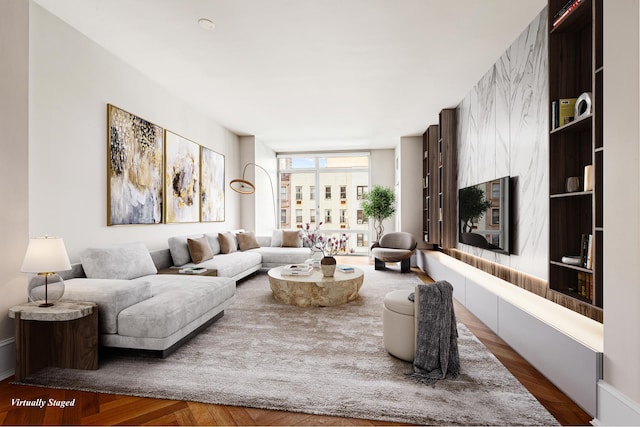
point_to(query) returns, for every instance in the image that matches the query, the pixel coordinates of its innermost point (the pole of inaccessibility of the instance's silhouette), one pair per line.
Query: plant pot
(328, 266)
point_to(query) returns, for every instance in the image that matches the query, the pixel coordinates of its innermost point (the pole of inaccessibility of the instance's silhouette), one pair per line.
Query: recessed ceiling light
(207, 24)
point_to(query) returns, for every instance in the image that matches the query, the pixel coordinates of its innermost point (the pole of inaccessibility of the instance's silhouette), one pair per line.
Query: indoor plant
(378, 204)
(328, 246)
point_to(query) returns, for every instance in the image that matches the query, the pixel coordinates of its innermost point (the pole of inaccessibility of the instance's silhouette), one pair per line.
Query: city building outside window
(327, 216)
(312, 192)
(298, 216)
(283, 216)
(495, 216)
(299, 192)
(283, 192)
(360, 190)
(312, 216)
(343, 192)
(361, 218)
(362, 240)
(327, 192)
(343, 216)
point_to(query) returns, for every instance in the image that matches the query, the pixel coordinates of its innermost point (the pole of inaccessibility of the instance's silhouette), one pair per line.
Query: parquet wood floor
(109, 409)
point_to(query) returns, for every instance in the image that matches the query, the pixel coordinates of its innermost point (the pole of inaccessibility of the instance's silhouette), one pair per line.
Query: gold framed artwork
(182, 179)
(211, 186)
(134, 169)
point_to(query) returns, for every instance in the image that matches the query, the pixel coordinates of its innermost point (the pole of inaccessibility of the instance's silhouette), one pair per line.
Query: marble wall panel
(503, 130)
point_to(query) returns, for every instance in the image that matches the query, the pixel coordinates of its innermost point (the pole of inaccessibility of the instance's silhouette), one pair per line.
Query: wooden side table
(176, 270)
(64, 336)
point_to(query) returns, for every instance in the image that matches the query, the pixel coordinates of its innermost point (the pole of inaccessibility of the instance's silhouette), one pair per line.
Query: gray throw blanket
(437, 335)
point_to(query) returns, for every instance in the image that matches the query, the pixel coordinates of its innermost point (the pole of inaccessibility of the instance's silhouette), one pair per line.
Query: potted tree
(378, 204)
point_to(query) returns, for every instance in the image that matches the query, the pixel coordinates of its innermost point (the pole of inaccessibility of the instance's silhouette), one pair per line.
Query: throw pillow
(199, 249)
(227, 242)
(276, 238)
(122, 262)
(291, 239)
(247, 241)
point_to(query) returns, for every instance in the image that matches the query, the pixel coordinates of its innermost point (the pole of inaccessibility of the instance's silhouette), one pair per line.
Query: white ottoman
(398, 325)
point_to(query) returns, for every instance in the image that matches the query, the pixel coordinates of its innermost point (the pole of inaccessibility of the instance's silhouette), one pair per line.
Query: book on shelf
(192, 270)
(566, 110)
(586, 250)
(585, 285)
(554, 114)
(565, 11)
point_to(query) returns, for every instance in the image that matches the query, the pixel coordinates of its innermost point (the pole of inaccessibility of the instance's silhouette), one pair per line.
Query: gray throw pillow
(123, 262)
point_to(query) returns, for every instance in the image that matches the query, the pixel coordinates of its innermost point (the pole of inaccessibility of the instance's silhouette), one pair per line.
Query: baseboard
(7, 358)
(615, 408)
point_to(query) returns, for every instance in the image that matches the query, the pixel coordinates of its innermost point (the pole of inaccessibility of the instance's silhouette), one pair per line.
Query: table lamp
(45, 256)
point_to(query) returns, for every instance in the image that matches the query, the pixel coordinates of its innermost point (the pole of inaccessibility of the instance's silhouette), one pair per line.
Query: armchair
(394, 247)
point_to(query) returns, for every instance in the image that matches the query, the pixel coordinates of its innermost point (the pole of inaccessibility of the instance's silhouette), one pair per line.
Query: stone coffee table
(315, 289)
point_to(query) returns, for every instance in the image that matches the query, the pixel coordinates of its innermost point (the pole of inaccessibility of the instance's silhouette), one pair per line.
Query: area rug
(317, 360)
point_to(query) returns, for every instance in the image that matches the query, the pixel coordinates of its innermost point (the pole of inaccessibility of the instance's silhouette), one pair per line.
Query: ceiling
(309, 74)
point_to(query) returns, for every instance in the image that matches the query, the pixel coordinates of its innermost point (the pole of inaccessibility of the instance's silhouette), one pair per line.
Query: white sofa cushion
(180, 249)
(233, 264)
(112, 296)
(177, 301)
(128, 261)
(273, 257)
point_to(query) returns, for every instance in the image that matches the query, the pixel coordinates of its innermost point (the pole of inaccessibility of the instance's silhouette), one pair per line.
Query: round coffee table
(315, 289)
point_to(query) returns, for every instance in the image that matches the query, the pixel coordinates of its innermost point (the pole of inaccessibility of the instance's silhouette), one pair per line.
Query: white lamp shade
(46, 255)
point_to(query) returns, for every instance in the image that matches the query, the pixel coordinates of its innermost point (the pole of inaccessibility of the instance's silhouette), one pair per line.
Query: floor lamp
(243, 186)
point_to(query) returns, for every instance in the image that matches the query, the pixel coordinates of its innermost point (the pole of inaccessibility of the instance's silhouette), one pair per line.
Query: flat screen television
(484, 214)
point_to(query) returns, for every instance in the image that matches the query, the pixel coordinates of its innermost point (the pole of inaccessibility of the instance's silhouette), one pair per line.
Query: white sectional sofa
(141, 310)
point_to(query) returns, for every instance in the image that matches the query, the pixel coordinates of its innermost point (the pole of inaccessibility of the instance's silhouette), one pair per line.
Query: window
(299, 216)
(343, 216)
(283, 216)
(360, 190)
(327, 192)
(312, 192)
(283, 192)
(495, 216)
(362, 240)
(495, 190)
(361, 218)
(298, 192)
(312, 216)
(343, 192)
(327, 216)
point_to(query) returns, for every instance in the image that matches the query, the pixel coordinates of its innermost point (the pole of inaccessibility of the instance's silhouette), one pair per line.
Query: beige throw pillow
(247, 241)
(227, 242)
(200, 249)
(291, 238)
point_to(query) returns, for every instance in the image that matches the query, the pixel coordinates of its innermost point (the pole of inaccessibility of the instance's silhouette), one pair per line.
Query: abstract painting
(134, 189)
(182, 179)
(212, 185)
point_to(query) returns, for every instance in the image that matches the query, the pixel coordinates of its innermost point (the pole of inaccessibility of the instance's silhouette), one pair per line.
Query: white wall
(621, 211)
(264, 197)
(408, 217)
(14, 155)
(71, 81)
(382, 170)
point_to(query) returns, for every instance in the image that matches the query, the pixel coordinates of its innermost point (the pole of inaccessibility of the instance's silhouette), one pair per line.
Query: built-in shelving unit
(575, 221)
(440, 180)
(430, 185)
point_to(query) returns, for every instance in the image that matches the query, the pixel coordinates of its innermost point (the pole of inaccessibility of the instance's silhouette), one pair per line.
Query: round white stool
(398, 325)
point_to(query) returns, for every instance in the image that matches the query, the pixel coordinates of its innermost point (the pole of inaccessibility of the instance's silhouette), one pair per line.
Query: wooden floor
(108, 409)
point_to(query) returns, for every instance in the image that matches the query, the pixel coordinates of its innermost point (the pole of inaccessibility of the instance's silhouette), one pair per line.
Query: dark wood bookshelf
(575, 67)
(439, 166)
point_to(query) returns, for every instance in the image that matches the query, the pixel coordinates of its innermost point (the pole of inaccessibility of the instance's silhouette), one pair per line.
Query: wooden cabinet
(575, 221)
(440, 181)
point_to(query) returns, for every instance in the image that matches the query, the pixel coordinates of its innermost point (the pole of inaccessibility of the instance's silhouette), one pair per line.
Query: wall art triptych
(156, 176)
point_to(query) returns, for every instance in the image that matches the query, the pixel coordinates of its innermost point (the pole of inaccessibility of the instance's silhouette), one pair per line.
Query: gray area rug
(328, 360)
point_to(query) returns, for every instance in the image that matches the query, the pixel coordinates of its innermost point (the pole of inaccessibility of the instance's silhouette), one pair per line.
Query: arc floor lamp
(244, 186)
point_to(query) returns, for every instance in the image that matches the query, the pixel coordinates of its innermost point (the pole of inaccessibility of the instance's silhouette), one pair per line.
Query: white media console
(563, 345)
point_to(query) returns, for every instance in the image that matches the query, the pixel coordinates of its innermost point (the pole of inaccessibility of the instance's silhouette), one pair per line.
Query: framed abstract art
(182, 179)
(134, 168)
(211, 185)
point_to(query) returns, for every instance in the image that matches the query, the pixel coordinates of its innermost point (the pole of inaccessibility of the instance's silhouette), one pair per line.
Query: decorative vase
(328, 266)
(45, 289)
